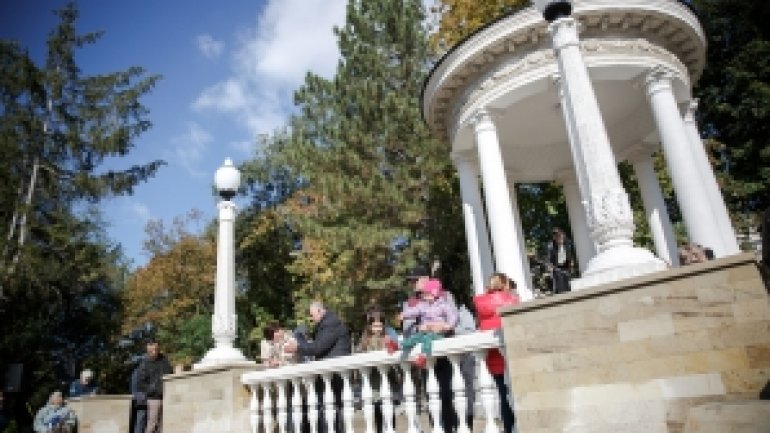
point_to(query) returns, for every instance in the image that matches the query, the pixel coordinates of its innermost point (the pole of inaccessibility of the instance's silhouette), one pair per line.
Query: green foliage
(59, 275)
(360, 170)
(734, 94)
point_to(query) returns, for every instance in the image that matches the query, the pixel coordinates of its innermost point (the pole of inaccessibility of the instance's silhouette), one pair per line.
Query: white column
(476, 234)
(609, 215)
(224, 320)
(702, 227)
(655, 207)
(501, 221)
(519, 242)
(584, 245)
(729, 241)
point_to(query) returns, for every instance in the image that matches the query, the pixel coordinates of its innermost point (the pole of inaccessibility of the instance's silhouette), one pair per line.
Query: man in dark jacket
(150, 383)
(560, 261)
(330, 339)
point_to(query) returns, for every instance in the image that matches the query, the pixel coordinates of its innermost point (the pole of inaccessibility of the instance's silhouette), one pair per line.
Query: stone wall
(638, 355)
(205, 401)
(102, 413)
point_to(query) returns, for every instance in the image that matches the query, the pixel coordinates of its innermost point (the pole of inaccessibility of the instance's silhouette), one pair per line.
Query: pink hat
(432, 286)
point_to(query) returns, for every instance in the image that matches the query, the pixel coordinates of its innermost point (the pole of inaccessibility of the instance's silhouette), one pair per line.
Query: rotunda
(525, 100)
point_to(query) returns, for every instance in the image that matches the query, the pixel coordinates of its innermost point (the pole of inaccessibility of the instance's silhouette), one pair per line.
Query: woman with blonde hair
(500, 292)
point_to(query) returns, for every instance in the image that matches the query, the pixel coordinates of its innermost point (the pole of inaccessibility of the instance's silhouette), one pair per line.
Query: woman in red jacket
(501, 292)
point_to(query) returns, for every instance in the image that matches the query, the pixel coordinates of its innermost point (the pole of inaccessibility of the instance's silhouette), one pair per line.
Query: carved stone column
(502, 224)
(476, 234)
(519, 241)
(609, 215)
(584, 245)
(661, 228)
(699, 219)
(713, 194)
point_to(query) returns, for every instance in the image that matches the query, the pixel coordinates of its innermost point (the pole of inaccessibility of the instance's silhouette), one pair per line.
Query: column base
(219, 356)
(618, 263)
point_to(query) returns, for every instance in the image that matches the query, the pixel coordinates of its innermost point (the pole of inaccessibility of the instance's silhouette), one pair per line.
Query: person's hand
(290, 346)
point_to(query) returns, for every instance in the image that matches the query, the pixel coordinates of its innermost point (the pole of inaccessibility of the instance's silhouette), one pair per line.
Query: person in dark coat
(561, 261)
(150, 383)
(331, 338)
(138, 404)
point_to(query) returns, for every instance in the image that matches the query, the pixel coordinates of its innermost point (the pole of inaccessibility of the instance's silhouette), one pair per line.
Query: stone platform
(642, 355)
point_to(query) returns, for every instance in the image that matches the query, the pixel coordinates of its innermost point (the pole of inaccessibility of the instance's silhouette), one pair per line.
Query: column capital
(657, 79)
(564, 32)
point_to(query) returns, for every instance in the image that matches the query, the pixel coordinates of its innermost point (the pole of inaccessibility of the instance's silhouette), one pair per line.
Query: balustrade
(278, 395)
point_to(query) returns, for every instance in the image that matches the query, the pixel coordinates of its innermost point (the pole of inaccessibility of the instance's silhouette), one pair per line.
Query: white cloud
(140, 210)
(208, 46)
(189, 148)
(291, 38)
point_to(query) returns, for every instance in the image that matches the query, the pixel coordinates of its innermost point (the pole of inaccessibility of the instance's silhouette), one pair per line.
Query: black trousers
(560, 280)
(506, 413)
(337, 385)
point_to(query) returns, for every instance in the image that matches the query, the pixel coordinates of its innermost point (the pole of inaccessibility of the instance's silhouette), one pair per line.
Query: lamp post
(224, 321)
(608, 212)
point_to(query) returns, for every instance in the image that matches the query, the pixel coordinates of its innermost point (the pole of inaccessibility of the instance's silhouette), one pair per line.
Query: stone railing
(278, 395)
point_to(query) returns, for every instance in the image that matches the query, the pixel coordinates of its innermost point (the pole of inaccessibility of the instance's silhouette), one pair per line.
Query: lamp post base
(220, 356)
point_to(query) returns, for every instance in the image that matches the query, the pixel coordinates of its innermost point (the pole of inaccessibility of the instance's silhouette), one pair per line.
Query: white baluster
(267, 408)
(486, 391)
(386, 396)
(347, 401)
(254, 408)
(329, 403)
(312, 403)
(282, 406)
(366, 398)
(434, 400)
(460, 399)
(296, 404)
(410, 402)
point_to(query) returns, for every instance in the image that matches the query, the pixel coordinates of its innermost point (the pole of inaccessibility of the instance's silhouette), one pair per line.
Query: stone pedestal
(102, 413)
(637, 355)
(207, 400)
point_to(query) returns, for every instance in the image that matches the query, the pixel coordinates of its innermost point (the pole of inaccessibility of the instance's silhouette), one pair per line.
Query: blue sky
(229, 69)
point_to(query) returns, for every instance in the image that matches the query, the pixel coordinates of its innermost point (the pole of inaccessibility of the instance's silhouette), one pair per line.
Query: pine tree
(59, 273)
(734, 107)
(365, 160)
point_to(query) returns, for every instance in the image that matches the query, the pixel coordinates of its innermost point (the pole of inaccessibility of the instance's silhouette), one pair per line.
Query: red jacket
(486, 308)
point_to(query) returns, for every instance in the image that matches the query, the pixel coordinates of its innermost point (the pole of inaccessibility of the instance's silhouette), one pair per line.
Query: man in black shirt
(150, 382)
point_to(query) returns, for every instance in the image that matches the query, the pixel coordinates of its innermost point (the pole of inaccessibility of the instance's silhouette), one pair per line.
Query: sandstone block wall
(205, 401)
(638, 355)
(102, 413)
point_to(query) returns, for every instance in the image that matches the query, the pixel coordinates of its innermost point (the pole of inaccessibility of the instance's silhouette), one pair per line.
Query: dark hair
(270, 329)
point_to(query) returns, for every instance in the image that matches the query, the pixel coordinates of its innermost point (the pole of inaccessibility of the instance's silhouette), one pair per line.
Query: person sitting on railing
(273, 348)
(373, 338)
(436, 318)
(330, 339)
(501, 292)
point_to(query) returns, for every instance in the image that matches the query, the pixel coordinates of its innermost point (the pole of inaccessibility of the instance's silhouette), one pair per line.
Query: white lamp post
(224, 321)
(608, 211)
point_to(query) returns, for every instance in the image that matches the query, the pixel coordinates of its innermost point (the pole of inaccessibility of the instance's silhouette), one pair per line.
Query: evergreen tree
(734, 94)
(365, 162)
(58, 272)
